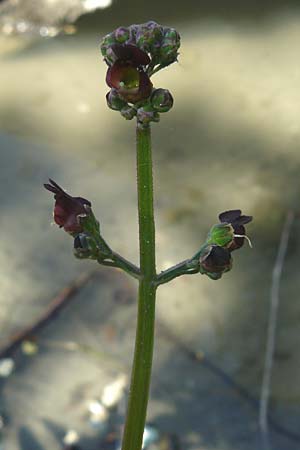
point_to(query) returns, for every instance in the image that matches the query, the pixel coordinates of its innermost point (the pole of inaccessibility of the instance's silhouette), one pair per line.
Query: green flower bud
(106, 43)
(167, 54)
(145, 115)
(221, 234)
(114, 101)
(128, 112)
(85, 247)
(172, 35)
(161, 100)
(133, 29)
(170, 45)
(122, 34)
(149, 36)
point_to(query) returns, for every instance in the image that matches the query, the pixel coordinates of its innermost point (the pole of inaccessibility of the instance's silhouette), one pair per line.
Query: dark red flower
(127, 74)
(67, 209)
(235, 218)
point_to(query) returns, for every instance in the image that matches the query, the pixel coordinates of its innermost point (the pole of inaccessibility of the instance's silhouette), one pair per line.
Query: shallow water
(231, 140)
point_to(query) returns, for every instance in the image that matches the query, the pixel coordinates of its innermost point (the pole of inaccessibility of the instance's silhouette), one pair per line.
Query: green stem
(126, 265)
(187, 267)
(142, 363)
(121, 263)
(107, 257)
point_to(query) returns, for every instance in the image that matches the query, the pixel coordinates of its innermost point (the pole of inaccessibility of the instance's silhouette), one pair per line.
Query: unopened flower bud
(169, 49)
(122, 34)
(145, 115)
(106, 43)
(85, 246)
(114, 101)
(133, 29)
(171, 35)
(168, 54)
(161, 100)
(128, 112)
(214, 261)
(149, 36)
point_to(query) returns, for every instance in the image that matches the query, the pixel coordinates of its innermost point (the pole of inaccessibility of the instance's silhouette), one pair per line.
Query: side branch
(187, 267)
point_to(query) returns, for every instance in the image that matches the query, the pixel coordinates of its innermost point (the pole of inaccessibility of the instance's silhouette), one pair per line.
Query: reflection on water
(44, 17)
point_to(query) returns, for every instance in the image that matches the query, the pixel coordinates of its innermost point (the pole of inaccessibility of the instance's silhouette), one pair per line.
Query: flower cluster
(133, 54)
(225, 237)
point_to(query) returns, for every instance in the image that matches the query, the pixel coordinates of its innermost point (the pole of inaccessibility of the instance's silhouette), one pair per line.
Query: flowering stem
(142, 363)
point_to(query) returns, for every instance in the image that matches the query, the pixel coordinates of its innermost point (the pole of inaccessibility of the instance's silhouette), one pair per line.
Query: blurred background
(230, 141)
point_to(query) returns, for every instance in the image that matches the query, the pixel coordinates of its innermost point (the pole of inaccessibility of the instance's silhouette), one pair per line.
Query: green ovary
(130, 78)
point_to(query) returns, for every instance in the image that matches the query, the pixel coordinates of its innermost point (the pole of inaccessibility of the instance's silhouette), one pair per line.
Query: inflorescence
(133, 54)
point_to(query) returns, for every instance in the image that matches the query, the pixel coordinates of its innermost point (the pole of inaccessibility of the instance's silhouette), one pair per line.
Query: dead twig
(271, 335)
(60, 301)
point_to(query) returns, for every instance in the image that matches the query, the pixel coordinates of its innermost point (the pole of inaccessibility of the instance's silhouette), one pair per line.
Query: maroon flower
(127, 74)
(235, 218)
(67, 209)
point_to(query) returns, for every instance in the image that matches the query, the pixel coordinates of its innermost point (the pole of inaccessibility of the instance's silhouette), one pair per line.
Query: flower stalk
(133, 54)
(142, 362)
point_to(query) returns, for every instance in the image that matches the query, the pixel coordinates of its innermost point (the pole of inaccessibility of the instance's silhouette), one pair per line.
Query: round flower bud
(128, 112)
(161, 100)
(167, 54)
(170, 46)
(133, 29)
(85, 246)
(170, 34)
(147, 115)
(106, 43)
(149, 36)
(114, 101)
(122, 34)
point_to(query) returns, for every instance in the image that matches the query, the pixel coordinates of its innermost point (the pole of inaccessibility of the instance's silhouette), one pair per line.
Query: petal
(57, 190)
(82, 201)
(146, 86)
(53, 187)
(242, 220)
(230, 216)
(130, 53)
(72, 224)
(237, 242)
